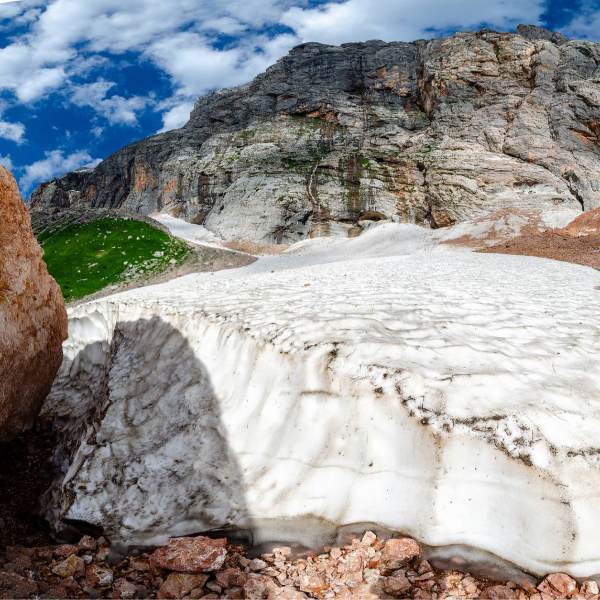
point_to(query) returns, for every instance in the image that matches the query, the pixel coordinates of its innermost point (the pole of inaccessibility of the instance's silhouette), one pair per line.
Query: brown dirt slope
(557, 246)
(586, 224)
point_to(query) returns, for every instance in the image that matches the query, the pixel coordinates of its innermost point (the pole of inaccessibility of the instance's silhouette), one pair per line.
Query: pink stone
(96, 576)
(123, 589)
(87, 543)
(286, 593)
(344, 593)
(365, 591)
(590, 587)
(398, 551)
(354, 563)
(500, 592)
(557, 584)
(190, 555)
(257, 585)
(73, 566)
(312, 582)
(421, 595)
(368, 539)
(178, 585)
(229, 577)
(32, 317)
(65, 550)
(397, 584)
(234, 593)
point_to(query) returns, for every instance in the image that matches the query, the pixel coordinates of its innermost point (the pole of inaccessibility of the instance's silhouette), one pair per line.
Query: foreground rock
(357, 571)
(459, 391)
(190, 555)
(333, 138)
(33, 320)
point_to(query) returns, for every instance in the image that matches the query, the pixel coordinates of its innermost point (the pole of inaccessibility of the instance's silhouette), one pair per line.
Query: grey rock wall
(331, 138)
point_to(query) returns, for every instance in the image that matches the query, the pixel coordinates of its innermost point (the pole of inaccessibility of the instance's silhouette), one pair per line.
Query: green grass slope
(86, 258)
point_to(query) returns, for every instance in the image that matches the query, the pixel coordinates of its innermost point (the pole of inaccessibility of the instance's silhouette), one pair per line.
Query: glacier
(450, 396)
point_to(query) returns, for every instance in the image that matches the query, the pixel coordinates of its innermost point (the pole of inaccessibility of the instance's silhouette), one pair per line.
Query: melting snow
(454, 397)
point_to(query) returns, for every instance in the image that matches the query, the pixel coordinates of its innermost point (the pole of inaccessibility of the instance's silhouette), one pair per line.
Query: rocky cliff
(33, 320)
(331, 138)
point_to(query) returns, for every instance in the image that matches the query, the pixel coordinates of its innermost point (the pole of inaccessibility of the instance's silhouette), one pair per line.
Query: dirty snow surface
(447, 395)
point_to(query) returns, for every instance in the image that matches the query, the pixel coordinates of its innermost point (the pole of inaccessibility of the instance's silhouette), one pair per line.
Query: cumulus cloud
(55, 163)
(405, 20)
(116, 109)
(6, 162)
(65, 38)
(14, 132)
(586, 24)
(177, 116)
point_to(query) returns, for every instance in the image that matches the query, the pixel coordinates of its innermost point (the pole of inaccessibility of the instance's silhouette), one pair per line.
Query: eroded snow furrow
(454, 398)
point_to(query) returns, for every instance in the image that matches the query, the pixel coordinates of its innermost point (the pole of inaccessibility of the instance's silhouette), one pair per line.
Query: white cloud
(405, 20)
(55, 163)
(64, 38)
(586, 24)
(115, 109)
(12, 131)
(177, 116)
(6, 162)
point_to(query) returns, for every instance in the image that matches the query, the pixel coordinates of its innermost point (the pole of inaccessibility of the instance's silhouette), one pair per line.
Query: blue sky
(80, 79)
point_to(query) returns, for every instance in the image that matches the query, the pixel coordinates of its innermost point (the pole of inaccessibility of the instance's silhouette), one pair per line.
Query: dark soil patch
(23, 479)
(555, 244)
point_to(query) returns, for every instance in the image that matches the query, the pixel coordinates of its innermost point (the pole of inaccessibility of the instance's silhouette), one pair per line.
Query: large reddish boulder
(33, 320)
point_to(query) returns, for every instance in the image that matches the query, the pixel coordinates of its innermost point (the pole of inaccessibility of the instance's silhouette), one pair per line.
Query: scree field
(87, 258)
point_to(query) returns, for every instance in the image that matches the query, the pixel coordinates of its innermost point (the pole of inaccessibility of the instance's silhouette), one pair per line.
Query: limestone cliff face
(33, 320)
(332, 137)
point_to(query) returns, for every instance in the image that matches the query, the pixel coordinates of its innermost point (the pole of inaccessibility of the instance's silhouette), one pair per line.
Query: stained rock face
(33, 320)
(332, 138)
(586, 224)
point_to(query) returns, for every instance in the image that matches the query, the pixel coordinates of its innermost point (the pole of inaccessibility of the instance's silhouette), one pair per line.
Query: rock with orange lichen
(33, 320)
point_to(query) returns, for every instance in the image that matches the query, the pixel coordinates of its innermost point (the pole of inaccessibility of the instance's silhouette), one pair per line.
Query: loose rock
(559, 585)
(397, 552)
(191, 555)
(70, 567)
(178, 585)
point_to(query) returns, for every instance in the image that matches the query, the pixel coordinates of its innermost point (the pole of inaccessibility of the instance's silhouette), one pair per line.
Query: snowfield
(187, 231)
(451, 396)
